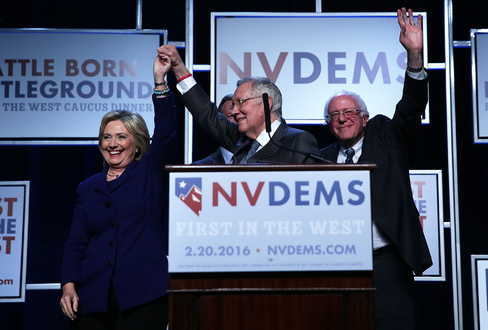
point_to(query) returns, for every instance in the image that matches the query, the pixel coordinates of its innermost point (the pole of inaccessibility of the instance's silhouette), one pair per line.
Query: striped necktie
(349, 155)
(252, 151)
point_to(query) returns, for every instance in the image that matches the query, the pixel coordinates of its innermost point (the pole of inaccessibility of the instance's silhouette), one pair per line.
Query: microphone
(267, 120)
(267, 113)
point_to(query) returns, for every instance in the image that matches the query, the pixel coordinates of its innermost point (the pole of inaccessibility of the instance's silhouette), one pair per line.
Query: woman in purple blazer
(115, 269)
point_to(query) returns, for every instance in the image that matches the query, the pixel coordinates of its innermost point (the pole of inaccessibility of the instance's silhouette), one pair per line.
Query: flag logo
(189, 191)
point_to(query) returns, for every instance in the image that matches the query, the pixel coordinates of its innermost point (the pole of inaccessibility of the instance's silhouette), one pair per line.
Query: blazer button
(110, 263)
(108, 204)
(113, 223)
(112, 243)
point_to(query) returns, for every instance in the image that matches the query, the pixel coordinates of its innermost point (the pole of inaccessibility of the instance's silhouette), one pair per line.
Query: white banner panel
(479, 281)
(270, 221)
(311, 56)
(58, 84)
(427, 193)
(479, 64)
(14, 207)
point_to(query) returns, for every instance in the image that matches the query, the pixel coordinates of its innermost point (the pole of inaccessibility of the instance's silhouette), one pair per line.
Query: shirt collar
(358, 149)
(263, 138)
(227, 155)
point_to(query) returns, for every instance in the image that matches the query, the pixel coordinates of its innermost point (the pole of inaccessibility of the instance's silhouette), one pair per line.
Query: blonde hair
(136, 126)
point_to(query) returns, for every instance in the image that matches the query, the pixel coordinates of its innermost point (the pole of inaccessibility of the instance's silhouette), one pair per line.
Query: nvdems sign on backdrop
(311, 56)
(479, 53)
(269, 221)
(59, 83)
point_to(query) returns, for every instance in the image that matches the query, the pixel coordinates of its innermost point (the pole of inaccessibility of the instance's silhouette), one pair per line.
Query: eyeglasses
(238, 103)
(348, 113)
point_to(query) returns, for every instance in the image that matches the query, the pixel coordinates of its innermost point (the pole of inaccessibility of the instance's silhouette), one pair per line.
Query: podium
(270, 274)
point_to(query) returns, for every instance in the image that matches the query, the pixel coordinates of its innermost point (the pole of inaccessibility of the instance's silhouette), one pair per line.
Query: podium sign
(269, 221)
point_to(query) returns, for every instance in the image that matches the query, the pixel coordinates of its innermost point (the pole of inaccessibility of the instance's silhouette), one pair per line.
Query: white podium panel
(267, 221)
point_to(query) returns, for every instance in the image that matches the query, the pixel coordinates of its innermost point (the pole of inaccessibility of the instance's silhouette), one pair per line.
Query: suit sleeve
(77, 242)
(406, 121)
(207, 116)
(161, 150)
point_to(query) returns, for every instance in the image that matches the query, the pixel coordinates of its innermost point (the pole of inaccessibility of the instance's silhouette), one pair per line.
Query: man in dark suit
(289, 145)
(398, 240)
(221, 155)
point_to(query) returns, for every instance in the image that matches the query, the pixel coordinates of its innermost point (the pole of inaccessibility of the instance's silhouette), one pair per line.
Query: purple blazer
(119, 231)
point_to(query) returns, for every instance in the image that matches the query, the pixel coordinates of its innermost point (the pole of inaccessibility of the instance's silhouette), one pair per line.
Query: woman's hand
(161, 67)
(69, 301)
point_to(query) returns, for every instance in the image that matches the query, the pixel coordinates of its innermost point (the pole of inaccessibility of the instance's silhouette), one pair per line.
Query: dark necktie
(349, 156)
(252, 151)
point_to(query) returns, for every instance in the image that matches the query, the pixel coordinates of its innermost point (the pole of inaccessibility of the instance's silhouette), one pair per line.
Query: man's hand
(177, 64)
(411, 36)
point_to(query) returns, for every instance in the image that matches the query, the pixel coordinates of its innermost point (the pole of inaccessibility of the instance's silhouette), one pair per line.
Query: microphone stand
(267, 119)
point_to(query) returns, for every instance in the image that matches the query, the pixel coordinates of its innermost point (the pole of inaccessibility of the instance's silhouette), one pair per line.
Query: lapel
(242, 147)
(100, 181)
(270, 149)
(218, 157)
(331, 152)
(366, 148)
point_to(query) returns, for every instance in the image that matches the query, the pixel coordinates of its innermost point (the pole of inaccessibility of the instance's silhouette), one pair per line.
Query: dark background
(54, 171)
